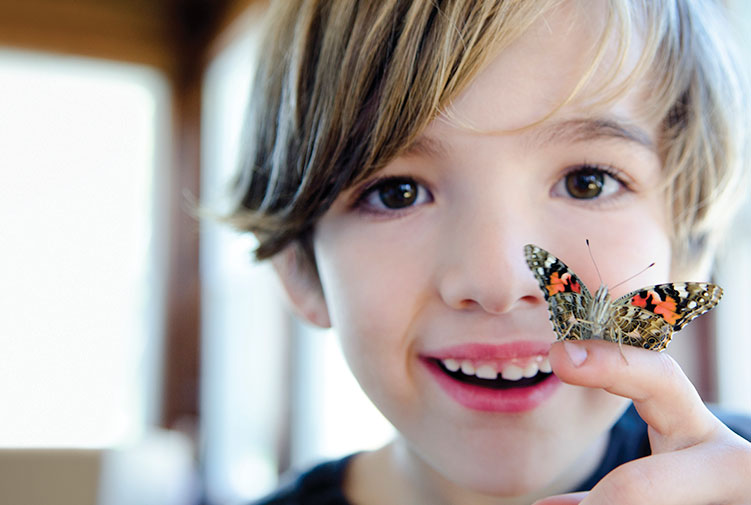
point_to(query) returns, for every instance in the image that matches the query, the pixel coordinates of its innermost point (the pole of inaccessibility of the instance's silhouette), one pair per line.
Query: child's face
(427, 264)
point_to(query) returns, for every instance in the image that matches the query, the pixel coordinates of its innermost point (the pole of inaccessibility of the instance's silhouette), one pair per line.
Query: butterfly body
(599, 311)
(646, 318)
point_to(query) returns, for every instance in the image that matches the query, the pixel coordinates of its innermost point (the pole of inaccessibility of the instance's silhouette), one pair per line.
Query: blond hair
(344, 86)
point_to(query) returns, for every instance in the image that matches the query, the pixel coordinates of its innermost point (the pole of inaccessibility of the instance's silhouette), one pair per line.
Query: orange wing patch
(562, 284)
(652, 302)
(666, 309)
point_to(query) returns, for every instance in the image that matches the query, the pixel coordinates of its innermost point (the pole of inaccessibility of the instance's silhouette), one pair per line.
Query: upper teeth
(512, 371)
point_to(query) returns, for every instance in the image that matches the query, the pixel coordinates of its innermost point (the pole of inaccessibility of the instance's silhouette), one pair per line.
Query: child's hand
(695, 458)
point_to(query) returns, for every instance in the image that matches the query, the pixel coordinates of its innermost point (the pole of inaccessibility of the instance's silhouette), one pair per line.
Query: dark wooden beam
(193, 27)
(131, 31)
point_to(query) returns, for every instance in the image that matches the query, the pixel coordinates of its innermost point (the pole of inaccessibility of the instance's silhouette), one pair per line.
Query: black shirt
(322, 485)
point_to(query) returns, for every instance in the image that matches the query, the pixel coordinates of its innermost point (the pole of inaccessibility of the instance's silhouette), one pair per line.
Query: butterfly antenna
(589, 249)
(635, 275)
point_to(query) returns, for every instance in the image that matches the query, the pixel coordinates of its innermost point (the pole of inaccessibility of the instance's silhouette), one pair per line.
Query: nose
(484, 267)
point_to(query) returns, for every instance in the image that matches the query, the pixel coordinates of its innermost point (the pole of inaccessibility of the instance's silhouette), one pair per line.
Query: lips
(513, 377)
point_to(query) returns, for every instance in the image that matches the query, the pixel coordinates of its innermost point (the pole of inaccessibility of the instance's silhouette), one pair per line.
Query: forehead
(549, 72)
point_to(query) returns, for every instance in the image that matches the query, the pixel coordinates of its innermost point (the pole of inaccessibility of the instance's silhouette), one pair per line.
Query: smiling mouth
(491, 379)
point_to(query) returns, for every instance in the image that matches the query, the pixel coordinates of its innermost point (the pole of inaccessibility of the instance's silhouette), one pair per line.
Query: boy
(400, 156)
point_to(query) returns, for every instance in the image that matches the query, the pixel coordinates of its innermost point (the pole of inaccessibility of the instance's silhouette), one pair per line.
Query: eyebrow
(569, 130)
(581, 130)
(429, 147)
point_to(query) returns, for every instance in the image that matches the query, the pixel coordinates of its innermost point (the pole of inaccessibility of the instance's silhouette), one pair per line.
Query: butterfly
(646, 318)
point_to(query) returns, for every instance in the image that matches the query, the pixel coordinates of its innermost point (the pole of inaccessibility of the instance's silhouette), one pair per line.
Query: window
(81, 254)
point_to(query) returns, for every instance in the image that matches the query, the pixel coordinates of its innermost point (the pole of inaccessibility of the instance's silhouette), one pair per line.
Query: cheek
(622, 246)
(628, 256)
(371, 299)
(373, 275)
(358, 287)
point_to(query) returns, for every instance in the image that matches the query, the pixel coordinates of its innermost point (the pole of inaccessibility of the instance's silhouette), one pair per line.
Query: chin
(501, 473)
(508, 482)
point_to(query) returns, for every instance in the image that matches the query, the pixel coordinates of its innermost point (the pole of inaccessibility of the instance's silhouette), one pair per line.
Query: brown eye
(585, 184)
(392, 196)
(590, 184)
(397, 193)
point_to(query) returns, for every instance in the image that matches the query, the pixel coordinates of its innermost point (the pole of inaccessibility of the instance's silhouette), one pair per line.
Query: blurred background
(144, 358)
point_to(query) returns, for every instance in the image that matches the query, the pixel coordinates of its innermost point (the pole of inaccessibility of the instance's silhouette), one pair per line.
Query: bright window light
(79, 301)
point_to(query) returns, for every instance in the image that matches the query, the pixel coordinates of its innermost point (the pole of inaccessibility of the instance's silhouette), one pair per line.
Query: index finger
(661, 392)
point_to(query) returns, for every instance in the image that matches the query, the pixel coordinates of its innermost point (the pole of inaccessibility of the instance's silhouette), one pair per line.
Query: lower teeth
(499, 383)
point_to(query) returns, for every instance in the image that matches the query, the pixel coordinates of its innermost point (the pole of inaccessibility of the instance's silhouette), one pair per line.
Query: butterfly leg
(565, 328)
(620, 348)
(615, 334)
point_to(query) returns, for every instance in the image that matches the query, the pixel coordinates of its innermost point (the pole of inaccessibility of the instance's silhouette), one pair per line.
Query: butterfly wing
(566, 294)
(648, 317)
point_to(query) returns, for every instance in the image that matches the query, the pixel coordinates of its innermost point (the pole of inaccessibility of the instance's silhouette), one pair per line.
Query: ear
(302, 286)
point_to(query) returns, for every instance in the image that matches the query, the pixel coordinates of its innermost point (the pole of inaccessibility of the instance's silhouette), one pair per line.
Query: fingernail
(576, 354)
